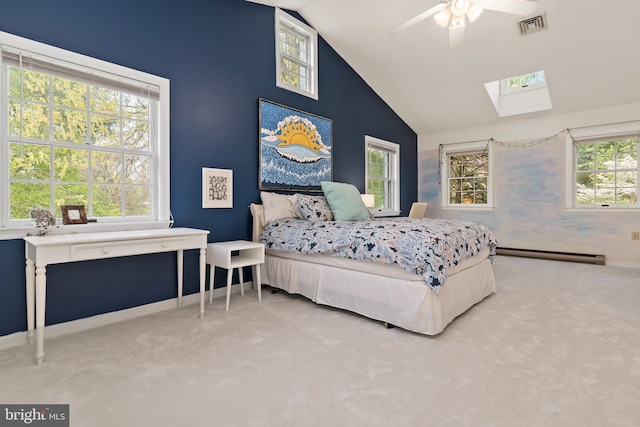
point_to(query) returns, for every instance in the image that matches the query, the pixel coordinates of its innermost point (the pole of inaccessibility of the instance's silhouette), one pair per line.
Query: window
(526, 93)
(466, 175)
(382, 172)
(523, 82)
(79, 131)
(605, 170)
(296, 55)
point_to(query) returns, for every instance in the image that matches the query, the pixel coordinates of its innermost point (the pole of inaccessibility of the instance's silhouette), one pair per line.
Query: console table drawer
(88, 251)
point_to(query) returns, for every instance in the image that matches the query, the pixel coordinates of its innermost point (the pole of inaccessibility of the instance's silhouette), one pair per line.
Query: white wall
(530, 188)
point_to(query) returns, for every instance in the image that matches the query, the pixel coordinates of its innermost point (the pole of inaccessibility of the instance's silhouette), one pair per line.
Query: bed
(378, 290)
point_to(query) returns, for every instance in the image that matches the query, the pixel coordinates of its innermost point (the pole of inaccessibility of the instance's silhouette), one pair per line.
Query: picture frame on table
(73, 214)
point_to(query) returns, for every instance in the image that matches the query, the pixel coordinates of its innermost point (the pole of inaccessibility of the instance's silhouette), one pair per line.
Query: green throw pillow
(345, 201)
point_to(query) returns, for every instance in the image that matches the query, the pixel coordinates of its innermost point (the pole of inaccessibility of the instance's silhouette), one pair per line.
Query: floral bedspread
(426, 247)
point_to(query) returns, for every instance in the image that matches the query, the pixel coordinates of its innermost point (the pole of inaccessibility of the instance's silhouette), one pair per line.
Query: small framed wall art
(217, 188)
(73, 214)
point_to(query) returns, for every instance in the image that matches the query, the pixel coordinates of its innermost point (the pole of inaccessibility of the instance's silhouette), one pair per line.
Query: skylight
(526, 93)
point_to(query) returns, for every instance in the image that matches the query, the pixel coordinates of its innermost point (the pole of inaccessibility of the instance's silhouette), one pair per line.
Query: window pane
(34, 87)
(137, 170)
(105, 100)
(69, 125)
(106, 167)
(481, 184)
(71, 165)
(26, 195)
(607, 179)
(107, 200)
(605, 161)
(105, 130)
(627, 154)
(605, 195)
(35, 121)
(627, 179)
(69, 93)
(135, 135)
(137, 201)
(135, 107)
(71, 194)
(29, 162)
(627, 196)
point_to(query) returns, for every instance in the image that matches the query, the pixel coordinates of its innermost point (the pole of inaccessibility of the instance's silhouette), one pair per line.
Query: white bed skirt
(405, 301)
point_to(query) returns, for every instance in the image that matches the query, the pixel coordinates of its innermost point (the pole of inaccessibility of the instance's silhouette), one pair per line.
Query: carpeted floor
(558, 345)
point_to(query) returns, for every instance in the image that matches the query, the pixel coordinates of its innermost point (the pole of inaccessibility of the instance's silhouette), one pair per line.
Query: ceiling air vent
(533, 24)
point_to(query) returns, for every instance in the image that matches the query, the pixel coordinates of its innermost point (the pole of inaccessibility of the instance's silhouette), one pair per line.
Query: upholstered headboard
(257, 215)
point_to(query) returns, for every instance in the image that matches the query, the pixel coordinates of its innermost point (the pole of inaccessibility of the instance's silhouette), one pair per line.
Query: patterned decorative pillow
(314, 208)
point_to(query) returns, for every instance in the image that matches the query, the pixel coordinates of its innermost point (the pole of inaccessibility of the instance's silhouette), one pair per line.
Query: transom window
(466, 174)
(76, 133)
(606, 171)
(383, 175)
(296, 55)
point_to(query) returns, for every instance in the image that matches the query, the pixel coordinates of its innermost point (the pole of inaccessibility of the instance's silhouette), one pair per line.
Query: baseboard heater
(556, 256)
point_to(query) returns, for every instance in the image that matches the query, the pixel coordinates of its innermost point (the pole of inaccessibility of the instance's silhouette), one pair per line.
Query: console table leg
(180, 268)
(31, 299)
(203, 273)
(41, 297)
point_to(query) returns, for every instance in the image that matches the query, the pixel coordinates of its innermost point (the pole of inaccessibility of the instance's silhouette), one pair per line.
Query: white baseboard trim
(20, 338)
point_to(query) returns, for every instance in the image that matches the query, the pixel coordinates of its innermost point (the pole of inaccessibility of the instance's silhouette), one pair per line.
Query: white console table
(41, 251)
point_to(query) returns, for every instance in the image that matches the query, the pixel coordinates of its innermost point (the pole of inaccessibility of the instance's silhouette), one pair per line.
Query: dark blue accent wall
(219, 57)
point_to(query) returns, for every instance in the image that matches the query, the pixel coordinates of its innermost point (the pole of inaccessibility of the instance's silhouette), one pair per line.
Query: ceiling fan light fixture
(457, 22)
(474, 12)
(443, 17)
(459, 7)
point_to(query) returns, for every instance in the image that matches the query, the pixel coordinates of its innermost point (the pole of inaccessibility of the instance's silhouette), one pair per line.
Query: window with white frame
(604, 169)
(296, 55)
(382, 171)
(466, 175)
(80, 131)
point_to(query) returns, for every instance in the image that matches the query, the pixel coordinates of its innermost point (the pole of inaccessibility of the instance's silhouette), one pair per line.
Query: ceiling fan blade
(421, 17)
(517, 7)
(456, 36)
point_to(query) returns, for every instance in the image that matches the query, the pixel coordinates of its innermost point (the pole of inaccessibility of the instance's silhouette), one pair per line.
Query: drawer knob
(165, 244)
(106, 249)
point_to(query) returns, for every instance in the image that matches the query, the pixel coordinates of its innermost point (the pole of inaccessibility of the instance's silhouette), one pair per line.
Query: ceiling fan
(453, 14)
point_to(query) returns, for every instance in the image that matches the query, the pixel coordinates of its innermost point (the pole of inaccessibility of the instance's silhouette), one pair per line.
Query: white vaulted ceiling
(590, 53)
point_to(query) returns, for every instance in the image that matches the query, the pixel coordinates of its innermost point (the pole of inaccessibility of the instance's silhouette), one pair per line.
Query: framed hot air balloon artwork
(295, 148)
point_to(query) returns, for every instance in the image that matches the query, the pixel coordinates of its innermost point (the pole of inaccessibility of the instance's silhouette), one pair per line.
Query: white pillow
(279, 206)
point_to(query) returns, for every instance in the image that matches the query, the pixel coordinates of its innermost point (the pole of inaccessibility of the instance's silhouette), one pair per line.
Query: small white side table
(235, 254)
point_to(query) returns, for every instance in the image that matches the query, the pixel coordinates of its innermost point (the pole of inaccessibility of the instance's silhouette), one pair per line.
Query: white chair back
(418, 210)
